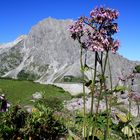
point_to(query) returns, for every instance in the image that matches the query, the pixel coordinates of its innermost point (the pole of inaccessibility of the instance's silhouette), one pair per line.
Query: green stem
(107, 123)
(84, 97)
(93, 83)
(103, 84)
(99, 97)
(103, 81)
(111, 86)
(110, 74)
(138, 108)
(106, 100)
(129, 115)
(93, 91)
(106, 58)
(110, 97)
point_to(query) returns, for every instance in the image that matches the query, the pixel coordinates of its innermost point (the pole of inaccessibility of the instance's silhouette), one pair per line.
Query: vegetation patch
(18, 91)
(41, 124)
(73, 79)
(23, 75)
(137, 68)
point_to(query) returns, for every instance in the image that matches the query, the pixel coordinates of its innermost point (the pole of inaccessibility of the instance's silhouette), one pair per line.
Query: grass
(21, 91)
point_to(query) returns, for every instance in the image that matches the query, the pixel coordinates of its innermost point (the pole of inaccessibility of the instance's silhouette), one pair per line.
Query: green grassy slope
(21, 91)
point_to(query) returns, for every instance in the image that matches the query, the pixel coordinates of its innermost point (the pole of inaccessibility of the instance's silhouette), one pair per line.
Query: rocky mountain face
(11, 55)
(48, 54)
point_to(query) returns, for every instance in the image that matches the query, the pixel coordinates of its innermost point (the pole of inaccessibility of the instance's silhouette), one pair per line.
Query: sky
(18, 16)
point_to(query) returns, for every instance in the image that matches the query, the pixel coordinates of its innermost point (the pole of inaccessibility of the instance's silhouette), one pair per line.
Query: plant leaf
(122, 117)
(127, 131)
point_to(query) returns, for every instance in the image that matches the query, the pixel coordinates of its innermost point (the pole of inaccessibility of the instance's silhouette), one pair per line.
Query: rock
(37, 95)
(73, 89)
(28, 108)
(124, 96)
(77, 104)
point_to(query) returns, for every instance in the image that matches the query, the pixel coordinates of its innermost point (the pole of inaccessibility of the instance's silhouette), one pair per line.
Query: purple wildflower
(95, 33)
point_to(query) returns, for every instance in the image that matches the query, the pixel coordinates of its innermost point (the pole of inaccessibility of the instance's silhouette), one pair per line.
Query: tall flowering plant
(95, 33)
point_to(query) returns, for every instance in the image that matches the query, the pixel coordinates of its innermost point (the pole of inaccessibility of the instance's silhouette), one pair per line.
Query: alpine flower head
(102, 14)
(77, 28)
(96, 32)
(115, 46)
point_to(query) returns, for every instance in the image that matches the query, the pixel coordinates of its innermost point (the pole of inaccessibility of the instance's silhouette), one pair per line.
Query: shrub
(54, 103)
(22, 75)
(70, 78)
(40, 124)
(137, 68)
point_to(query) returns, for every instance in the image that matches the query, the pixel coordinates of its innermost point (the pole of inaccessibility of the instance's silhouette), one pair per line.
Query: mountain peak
(13, 43)
(21, 37)
(51, 55)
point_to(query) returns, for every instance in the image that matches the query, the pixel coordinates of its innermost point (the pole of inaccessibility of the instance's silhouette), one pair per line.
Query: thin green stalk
(129, 103)
(138, 107)
(106, 58)
(129, 115)
(84, 97)
(111, 86)
(93, 83)
(110, 97)
(106, 100)
(110, 74)
(99, 97)
(98, 103)
(103, 81)
(107, 123)
(103, 85)
(92, 92)
(100, 92)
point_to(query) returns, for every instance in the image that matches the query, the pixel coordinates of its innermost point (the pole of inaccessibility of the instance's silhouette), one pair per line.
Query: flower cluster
(96, 32)
(98, 42)
(100, 15)
(77, 29)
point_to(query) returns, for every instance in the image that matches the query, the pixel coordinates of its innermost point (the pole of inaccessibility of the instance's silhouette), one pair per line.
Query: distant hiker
(4, 103)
